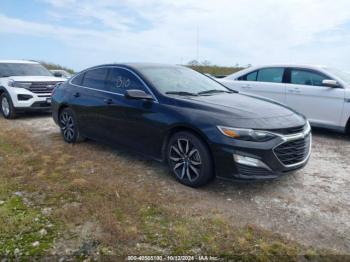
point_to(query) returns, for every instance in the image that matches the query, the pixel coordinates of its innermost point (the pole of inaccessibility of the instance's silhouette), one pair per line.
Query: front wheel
(69, 126)
(7, 108)
(189, 159)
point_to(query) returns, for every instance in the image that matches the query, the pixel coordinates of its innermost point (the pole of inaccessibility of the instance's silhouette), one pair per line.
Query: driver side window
(305, 77)
(121, 80)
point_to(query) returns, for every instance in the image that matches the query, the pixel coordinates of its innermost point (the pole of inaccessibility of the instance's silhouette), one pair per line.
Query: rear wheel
(7, 109)
(69, 126)
(189, 159)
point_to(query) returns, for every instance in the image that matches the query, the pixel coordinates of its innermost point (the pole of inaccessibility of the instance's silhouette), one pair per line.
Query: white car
(61, 73)
(25, 85)
(320, 93)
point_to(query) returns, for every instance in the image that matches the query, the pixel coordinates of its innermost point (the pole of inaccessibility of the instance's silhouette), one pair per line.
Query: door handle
(108, 101)
(247, 86)
(76, 94)
(295, 90)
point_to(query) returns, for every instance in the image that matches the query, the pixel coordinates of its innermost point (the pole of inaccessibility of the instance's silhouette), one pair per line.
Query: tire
(69, 126)
(189, 159)
(6, 107)
(347, 128)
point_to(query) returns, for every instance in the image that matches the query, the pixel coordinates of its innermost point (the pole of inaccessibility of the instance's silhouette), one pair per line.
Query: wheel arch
(56, 114)
(60, 108)
(180, 128)
(2, 90)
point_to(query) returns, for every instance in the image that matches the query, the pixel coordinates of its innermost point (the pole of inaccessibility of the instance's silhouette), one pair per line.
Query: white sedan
(320, 93)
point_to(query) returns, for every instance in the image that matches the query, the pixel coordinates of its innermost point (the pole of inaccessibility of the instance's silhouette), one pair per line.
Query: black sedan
(174, 114)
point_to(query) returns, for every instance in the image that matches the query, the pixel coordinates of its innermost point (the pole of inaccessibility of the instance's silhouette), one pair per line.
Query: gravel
(311, 206)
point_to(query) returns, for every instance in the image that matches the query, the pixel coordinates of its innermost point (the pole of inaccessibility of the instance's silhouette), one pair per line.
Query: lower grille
(252, 171)
(293, 152)
(41, 104)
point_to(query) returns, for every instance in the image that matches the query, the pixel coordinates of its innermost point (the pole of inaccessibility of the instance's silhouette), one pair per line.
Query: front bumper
(25, 100)
(275, 164)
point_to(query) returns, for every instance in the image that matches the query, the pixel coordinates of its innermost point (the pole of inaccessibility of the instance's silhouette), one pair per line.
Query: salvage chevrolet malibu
(171, 113)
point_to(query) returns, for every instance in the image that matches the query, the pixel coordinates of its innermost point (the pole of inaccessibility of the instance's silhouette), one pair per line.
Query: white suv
(25, 85)
(322, 94)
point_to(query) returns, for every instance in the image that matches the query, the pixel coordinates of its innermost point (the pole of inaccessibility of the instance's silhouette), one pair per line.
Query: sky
(83, 33)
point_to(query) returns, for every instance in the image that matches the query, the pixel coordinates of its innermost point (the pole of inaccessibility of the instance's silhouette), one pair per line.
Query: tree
(193, 63)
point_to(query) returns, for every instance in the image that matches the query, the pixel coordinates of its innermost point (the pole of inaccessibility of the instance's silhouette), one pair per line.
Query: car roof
(138, 65)
(17, 62)
(291, 65)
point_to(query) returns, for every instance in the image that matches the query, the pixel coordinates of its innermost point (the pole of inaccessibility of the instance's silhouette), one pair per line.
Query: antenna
(197, 44)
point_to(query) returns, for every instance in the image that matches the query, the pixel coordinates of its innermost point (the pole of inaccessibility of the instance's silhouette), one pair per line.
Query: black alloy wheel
(69, 126)
(189, 159)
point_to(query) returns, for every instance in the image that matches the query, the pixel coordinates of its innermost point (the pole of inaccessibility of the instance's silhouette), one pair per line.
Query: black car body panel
(145, 126)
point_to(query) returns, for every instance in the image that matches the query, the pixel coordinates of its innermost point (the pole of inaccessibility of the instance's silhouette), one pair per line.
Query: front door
(139, 128)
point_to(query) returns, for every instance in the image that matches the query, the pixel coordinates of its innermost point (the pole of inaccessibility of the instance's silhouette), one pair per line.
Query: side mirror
(138, 95)
(331, 83)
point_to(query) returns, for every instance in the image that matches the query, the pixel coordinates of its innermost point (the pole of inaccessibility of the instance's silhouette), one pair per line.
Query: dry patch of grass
(108, 203)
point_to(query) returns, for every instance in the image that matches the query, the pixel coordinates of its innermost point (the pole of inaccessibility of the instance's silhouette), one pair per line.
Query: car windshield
(180, 80)
(345, 76)
(25, 69)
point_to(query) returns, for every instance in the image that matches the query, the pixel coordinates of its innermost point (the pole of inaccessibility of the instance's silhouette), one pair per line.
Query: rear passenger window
(78, 80)
(305, 77)
(96, 78)
(120, 80)
(252, 76)
(249, 77)
(273, 75)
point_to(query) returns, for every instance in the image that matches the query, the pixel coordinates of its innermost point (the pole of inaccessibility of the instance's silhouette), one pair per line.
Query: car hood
(244, 106)
(240, 110)
(36, 79)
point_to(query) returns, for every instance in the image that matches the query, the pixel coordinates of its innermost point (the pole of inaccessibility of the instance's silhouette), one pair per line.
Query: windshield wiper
(213, 91)
(180, 93)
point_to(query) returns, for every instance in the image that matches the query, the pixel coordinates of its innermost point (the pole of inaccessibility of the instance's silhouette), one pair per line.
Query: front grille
(252, 171)
(293, 152)
(289, 131)
(42, 87)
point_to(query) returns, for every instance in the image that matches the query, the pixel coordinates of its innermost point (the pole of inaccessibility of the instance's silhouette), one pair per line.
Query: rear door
(92, 103)
(322, 105)
(266, 82)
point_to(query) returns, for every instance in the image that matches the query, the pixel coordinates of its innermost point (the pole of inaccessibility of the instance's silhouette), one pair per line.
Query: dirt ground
(311, 206)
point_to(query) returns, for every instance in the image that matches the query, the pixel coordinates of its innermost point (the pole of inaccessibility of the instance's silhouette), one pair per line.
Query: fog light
(249, 161)
(24, 97)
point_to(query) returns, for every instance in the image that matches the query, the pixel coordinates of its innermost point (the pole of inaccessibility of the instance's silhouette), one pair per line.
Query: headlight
(13, 83)
(246, 134)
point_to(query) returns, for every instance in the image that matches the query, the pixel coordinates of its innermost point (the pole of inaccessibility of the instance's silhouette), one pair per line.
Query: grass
(52, 66)
(24, 231)
(104, 203)
(216, 70)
